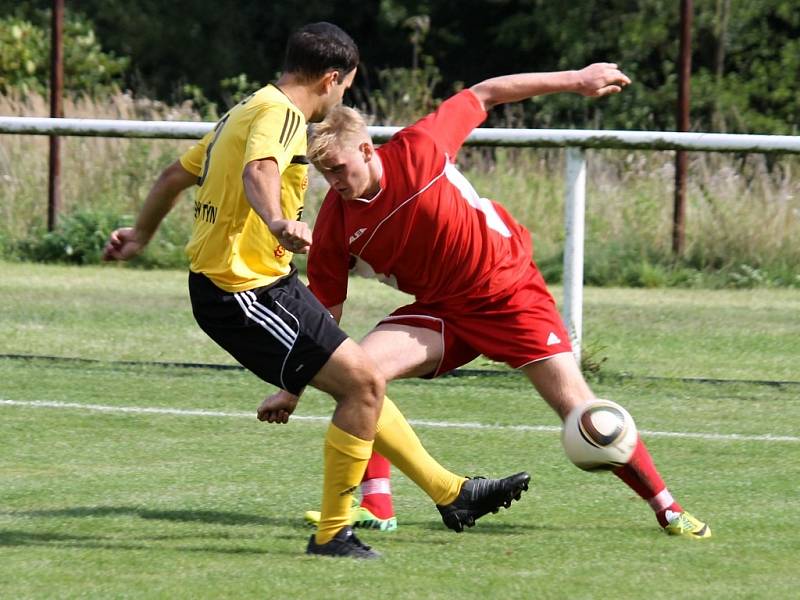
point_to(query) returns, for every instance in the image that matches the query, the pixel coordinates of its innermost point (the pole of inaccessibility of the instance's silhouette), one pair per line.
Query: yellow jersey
(230, 244)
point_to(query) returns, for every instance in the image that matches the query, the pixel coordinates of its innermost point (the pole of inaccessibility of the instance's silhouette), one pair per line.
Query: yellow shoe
(312, 517)
(688, 526)
(360, 517)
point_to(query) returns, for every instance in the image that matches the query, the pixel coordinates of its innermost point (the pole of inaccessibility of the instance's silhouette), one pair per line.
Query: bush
(78, 240)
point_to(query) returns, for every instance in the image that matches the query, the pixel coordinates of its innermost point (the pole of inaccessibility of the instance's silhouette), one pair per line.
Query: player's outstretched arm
(127, 242)
(595, 80)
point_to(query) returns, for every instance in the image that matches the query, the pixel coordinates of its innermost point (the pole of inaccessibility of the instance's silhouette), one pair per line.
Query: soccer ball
(599, 435)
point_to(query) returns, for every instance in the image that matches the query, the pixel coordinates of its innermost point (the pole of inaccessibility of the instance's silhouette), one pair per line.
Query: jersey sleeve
(453, 121)
(273, 134)
(192, 159)
(328, 263)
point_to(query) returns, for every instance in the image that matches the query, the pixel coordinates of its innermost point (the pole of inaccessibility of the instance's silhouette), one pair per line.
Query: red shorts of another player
(517, 328)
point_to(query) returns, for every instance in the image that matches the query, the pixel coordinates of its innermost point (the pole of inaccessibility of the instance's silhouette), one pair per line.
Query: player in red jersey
(405, 214)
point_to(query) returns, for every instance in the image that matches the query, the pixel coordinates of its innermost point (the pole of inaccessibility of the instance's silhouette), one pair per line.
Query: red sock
(376, 491)
(642, 477)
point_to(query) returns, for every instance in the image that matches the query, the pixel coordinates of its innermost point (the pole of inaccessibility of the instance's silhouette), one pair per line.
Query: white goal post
(575, 140)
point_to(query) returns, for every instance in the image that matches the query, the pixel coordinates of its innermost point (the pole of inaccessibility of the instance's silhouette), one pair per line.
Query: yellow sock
(346, 459)
(397, 441)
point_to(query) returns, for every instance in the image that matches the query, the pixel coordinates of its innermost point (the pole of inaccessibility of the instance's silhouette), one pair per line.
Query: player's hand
(278, 407)
(295, 236)
(122, 244)
(601, 79)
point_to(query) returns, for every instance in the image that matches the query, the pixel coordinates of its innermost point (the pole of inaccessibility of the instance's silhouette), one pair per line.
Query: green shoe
(363, 517)
(360, 517)
(688, 526)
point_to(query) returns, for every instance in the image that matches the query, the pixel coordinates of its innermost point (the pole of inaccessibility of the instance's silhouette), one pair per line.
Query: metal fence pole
(574, 212)
(56, 110)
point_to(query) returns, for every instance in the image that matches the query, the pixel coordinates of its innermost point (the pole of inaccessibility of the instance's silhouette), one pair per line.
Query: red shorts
(517, 328)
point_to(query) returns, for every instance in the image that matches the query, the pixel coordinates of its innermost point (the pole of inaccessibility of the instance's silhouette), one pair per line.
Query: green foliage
(25, 58)
(199, 101)
(79, 239)
(87, 68)
(593, 359)
(235, 89)
(405, 94)
(745, 55)
(81, 236)
(166, 249)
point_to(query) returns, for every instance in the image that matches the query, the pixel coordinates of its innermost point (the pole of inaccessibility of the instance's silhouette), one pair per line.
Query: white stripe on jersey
(401, 205)
(267, 321)
(457, 179)
(493, 220)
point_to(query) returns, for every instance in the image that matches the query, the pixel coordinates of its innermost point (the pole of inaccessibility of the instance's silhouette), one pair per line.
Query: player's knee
(370, 385)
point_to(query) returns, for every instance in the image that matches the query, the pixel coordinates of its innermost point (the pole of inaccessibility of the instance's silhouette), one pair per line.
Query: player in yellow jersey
(251, 174)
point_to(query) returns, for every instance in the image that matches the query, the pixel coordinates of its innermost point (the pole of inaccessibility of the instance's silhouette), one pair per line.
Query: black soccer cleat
(480, 496)
(344, 543)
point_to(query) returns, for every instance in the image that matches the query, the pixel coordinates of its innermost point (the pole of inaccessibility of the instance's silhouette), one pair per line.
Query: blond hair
(343, 127)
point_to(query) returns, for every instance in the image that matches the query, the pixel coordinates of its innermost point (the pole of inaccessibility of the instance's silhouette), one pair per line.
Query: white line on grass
(438, 424)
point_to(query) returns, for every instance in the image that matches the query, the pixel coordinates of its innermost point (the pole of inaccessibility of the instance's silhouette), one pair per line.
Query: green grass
(113, 313)
(100, 504)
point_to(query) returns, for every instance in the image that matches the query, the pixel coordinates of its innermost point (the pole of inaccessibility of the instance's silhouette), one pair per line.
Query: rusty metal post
(56, 110)
(681, 159)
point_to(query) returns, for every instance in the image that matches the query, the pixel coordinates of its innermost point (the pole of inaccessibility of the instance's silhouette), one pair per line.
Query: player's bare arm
(262, 185)
(595, 80)
(127, 242)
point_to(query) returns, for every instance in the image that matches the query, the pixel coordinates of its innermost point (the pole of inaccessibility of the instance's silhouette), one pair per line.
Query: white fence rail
(577, 142)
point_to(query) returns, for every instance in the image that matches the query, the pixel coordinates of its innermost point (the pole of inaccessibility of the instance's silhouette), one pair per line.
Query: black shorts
(279, 332)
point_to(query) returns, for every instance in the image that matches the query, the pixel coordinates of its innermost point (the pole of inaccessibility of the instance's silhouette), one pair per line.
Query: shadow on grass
(141, 540)
(188, 516)
(11, 538)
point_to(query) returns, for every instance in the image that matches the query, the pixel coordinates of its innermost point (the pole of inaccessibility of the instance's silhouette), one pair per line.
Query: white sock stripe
(379, 485)
(278, 335)
(268, 314)
(661, 500)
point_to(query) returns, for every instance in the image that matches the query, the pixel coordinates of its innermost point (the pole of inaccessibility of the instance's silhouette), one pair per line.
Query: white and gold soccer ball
(599, 435)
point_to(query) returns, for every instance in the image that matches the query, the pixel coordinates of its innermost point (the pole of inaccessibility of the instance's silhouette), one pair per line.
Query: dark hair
(317, 48)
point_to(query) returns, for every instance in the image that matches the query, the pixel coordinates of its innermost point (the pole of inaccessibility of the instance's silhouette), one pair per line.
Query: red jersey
(427, 231)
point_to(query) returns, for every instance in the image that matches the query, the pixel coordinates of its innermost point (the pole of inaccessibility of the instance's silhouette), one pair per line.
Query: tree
(25, 58)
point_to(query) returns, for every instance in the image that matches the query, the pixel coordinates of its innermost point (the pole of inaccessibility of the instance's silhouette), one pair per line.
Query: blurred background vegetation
(190, 60)
(746, 55)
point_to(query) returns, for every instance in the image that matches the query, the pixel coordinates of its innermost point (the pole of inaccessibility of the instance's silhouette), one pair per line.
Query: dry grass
(741, 210)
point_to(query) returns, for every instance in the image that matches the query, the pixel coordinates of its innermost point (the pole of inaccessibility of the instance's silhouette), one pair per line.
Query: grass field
(153, 481)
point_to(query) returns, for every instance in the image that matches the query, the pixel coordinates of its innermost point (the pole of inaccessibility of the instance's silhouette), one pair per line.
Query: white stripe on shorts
(264, 317)
(267, 313)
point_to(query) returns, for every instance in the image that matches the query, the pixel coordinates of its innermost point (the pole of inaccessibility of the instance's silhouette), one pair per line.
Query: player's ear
(328, 80)
(331, 78)
(366, 151)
